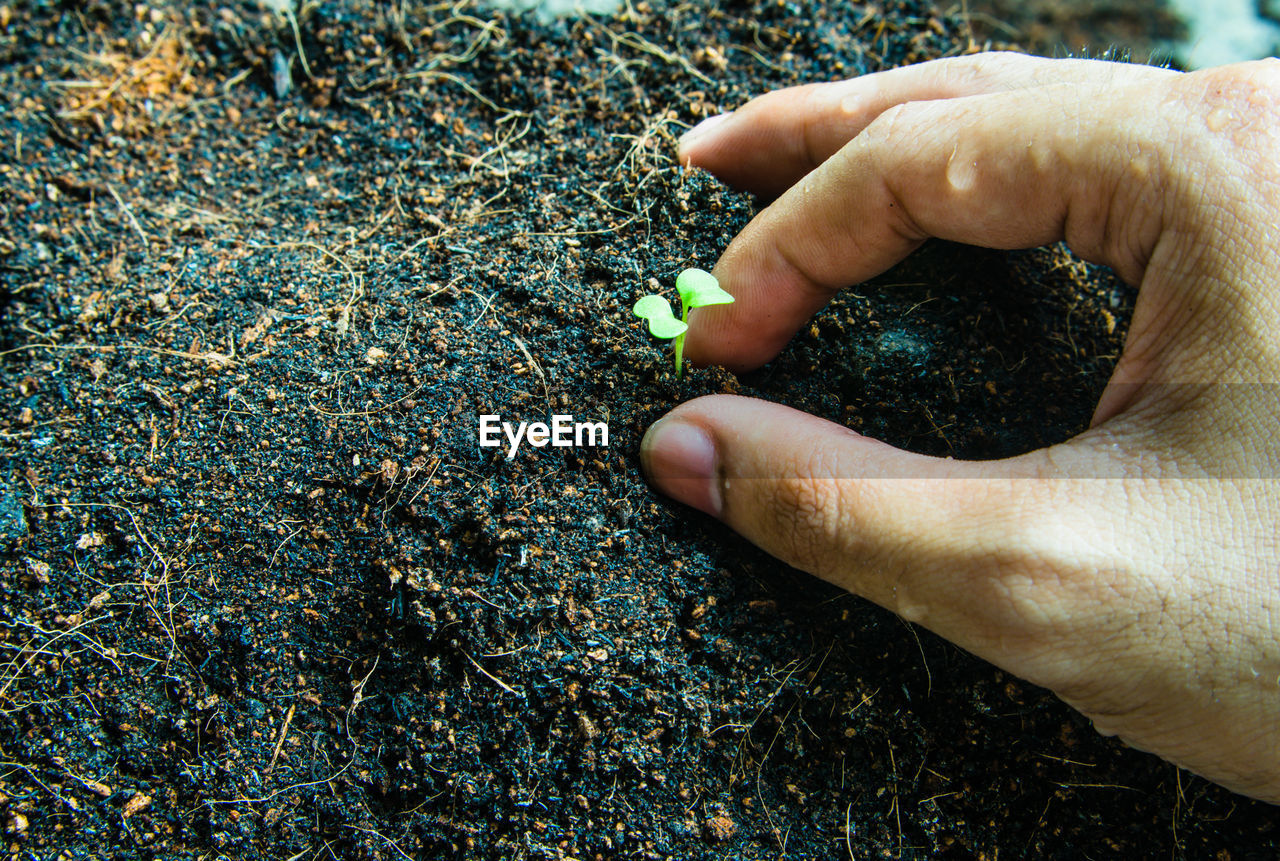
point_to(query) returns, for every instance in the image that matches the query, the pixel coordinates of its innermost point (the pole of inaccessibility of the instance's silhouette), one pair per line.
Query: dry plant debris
(128, 95)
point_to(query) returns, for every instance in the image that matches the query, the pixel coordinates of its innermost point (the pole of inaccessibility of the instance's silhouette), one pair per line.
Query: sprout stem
(679, 344)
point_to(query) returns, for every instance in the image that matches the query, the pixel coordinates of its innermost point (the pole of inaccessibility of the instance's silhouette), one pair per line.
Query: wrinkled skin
(1135, 569)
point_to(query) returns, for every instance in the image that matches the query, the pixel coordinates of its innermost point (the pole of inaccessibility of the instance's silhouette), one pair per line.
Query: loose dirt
(262, 593)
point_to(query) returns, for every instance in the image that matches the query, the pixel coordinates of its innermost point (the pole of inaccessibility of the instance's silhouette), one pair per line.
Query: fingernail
(702, 128)
(680, 459)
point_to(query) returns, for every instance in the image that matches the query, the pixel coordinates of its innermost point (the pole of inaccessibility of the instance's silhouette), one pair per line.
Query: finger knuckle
(1254, 84)
(1238, 107)
(813, 127)
(1049, 592)
(889, 143)
(1022, 584)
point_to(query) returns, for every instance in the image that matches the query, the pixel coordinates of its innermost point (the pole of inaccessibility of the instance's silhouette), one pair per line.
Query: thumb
(975, 551)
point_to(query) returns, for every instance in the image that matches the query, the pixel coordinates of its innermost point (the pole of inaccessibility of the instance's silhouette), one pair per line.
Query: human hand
(1135, 569)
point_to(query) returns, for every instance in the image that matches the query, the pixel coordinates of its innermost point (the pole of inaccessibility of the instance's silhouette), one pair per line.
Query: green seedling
(697, 288)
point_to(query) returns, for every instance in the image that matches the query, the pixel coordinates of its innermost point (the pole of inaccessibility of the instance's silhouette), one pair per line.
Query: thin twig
(284, 731)
(490, 676)
(389, 841)
(222, 360)
(297, 40)
(146, 241)
(533, 363)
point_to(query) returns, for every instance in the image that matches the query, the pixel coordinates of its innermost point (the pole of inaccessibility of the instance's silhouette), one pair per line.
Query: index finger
(769, 143)
(1007, 170)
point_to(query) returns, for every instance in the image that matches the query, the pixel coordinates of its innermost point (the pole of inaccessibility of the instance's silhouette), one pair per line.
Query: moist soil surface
(264, 595)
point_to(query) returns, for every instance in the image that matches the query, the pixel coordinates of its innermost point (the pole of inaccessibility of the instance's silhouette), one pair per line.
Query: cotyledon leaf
(698, 287)
(662, 323)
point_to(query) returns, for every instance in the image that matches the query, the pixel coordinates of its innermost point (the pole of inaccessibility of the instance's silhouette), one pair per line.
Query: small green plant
(697, 288)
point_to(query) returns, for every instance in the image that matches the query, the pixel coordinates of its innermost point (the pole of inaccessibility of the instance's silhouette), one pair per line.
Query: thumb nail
(702, 128)
(681, 460)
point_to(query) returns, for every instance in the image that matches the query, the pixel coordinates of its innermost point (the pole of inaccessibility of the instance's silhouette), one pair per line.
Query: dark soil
(262, 593)
(1144, 30)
